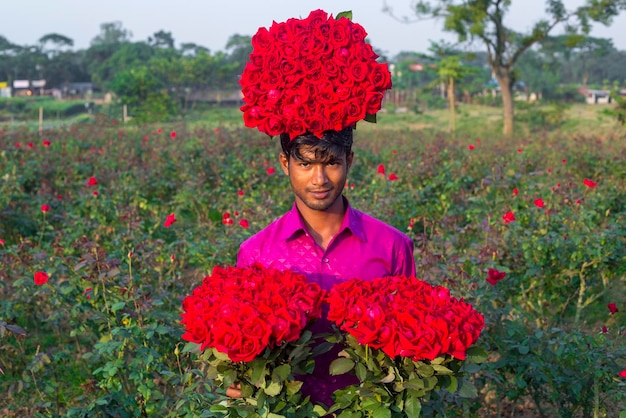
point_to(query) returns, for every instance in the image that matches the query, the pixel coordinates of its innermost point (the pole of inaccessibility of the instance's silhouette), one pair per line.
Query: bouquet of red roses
(250, 323)
(405, 339)
(312, 75)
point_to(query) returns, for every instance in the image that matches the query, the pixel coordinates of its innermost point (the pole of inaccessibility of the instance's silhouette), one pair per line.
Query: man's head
(318, 167)
(334, 144)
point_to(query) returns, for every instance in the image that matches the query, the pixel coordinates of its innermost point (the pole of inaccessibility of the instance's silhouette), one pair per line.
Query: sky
(210, 23)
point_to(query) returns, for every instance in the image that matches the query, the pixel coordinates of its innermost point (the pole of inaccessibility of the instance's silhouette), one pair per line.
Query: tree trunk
(504, 81)
(451, 104)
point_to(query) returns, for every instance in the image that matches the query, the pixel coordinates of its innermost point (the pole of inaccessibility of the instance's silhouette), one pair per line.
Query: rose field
(105, 228)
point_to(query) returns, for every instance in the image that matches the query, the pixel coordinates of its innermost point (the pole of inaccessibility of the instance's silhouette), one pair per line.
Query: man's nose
(319, 174)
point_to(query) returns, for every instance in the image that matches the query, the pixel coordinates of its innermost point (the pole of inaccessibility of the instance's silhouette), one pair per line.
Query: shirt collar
(294, 224)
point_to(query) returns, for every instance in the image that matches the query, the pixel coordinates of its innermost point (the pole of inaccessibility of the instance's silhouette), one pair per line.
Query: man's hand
(234, 391)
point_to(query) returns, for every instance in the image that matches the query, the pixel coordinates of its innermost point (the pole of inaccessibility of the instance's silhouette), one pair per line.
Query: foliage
(102, 336)
(619, 110)
(485, 21)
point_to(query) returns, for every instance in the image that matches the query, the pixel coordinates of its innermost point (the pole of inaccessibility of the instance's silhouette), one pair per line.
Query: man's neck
(323, 225)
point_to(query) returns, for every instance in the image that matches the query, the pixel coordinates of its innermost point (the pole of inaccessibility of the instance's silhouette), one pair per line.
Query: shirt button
(325, 260)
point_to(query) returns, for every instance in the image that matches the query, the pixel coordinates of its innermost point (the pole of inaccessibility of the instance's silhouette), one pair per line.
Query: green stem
(43, 227)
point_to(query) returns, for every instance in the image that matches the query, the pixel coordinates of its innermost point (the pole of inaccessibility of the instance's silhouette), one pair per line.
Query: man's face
(317, 183)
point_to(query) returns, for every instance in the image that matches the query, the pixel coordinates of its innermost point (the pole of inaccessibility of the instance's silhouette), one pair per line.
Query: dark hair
(332, 145)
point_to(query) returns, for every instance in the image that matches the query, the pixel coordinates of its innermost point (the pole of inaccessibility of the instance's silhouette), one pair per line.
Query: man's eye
(304, 165)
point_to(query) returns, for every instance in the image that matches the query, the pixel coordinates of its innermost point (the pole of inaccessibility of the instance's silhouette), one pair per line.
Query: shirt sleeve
(244, 258)
(405, 265)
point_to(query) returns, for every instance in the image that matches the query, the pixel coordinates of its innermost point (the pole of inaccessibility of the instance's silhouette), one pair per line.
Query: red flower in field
(539, 203)
(173, 134)
(604, 330)
(18, 145)
(169, 221)
(240, 192)
(45, 208)
(145, 138)
(589, 183)
(31, 145)
(393, 177)
(216, 130)
(88, 291)
(394, 152)
(519, 150)
(515, 191)
(471, 147)
(227, 221)
(381, 169)
(59, 197)
(159, 131)
(622, 374)
(612, 308)
(46, 143)
(2, 241)
(549, 171)
(478, 140)
(508, 217)
(564, 160)
(270, 171)
(244, 223)
(494, 276)
(92, 181)
(578, 201)
(41, 277)
(95, 193)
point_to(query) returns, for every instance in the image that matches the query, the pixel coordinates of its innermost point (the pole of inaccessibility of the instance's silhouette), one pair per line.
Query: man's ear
(284, 162)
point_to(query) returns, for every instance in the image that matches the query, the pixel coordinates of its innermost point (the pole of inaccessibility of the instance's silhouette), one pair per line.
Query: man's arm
(405, 265)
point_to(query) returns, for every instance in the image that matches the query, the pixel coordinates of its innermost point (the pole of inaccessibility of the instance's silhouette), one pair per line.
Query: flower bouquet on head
(405, 340)
(250, 326)
(312, 75)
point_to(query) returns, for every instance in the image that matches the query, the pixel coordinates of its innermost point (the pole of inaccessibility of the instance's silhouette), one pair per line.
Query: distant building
(599, 96)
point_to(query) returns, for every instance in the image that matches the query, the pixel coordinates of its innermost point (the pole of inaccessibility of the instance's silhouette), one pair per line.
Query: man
(324, 238)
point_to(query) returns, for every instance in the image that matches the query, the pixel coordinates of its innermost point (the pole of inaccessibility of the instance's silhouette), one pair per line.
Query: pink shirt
(364, 247)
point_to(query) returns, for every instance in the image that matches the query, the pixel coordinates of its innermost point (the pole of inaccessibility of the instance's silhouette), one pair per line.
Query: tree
(58, 41)
(484, 20)
(162, 39)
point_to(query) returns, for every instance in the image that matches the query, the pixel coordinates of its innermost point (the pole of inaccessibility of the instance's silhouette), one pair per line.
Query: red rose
(41, 278)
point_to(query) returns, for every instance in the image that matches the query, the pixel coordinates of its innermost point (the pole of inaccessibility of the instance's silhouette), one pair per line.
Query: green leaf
(273, 389)
(341, 366)
(347, 14)
(259, 371)
(191, 348)
(468, 390)
(281, 373)
(412, 407)
(453, 385)
(370, 118)
(117, 306)
(382, 412)
(293, 387)
(361, 371)
(439, 369)
(425, 370)
(476, 355)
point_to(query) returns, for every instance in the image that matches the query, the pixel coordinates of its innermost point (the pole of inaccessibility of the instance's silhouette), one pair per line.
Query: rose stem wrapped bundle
(254, 316)
(419, 328)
